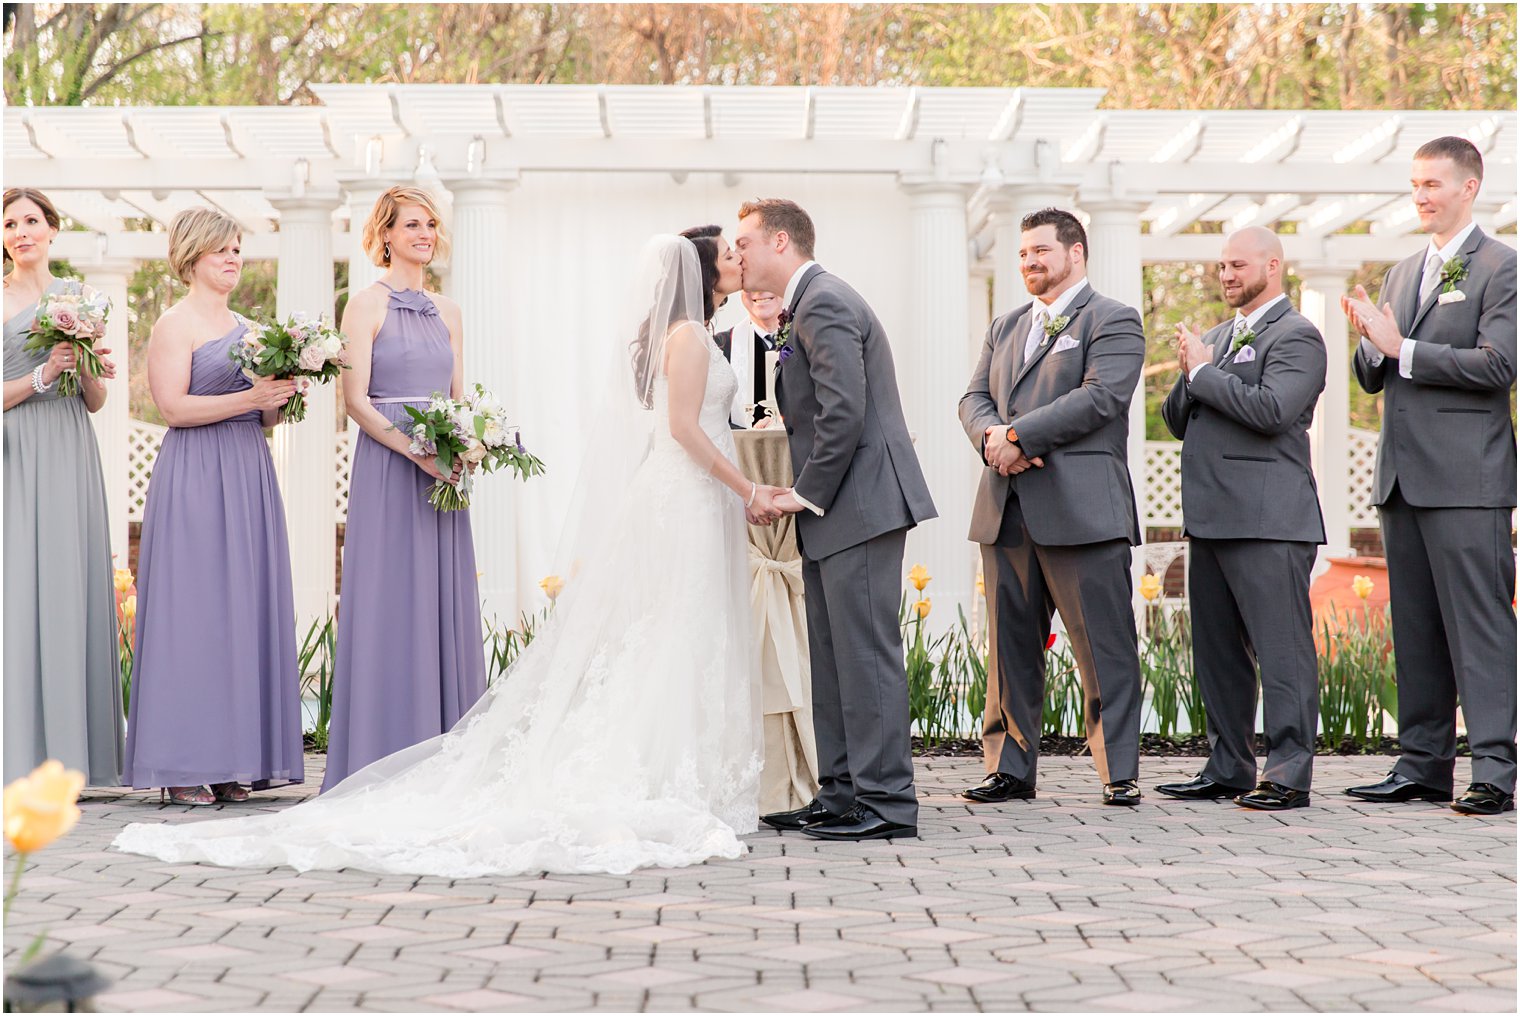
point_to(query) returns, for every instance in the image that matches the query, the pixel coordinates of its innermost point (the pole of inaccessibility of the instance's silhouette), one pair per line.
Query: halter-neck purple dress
(410, 657)
(215, 693)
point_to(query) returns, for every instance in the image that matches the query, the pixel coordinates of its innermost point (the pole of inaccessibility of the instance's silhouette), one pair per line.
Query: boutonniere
(1055, 326)
(1242, 340)
(1452, 272)
(783, 337)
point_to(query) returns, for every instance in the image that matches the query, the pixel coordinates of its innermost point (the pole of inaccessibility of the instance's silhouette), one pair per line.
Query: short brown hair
(383, 216)
(1069, 229)
(1459, 150)
(196, 232)
(778, 215)
(36, 197)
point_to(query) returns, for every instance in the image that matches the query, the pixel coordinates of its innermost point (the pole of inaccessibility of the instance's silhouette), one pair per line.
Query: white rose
(494, 435)
(332, 345)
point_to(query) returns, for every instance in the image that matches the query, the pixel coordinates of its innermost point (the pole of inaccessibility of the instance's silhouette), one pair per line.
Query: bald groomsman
(1441, 349)
(1242, 408)
(1047, 410)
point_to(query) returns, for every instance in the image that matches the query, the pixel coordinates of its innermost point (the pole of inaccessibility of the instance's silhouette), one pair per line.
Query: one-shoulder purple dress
(410, 656)
(215, 693)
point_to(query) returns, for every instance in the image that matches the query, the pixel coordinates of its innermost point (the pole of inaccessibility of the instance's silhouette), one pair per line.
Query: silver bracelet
(37, 385)
(753, 489)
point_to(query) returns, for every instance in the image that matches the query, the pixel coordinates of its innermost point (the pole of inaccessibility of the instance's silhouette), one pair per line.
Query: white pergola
(917, 194)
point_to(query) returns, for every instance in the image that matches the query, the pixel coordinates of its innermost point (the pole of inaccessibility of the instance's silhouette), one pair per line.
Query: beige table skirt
(790, 777)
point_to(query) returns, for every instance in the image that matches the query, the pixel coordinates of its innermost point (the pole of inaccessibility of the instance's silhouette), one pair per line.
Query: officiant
(745, 346)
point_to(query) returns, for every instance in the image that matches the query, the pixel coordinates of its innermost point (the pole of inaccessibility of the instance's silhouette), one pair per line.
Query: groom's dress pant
(1451, 586)
(1090, 585)
(1250, 603)
(860, 685)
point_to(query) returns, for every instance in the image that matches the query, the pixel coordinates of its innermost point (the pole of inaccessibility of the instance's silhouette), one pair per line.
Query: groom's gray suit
(1059, 537)
(852, 459)
(1445, 490)
(1251, 510)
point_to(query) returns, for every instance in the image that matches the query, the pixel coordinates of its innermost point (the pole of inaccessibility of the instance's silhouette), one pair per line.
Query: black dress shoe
(1125, 792)
(999, 787)
(1483, 799)
(1269, 796)
(797, 818)
(1396, 789)
(860, 823)
(1200, 788)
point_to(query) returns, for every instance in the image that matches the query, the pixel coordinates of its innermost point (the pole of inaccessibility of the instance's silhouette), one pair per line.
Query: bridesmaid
(62, 659)
(410, 657)
(216, 698)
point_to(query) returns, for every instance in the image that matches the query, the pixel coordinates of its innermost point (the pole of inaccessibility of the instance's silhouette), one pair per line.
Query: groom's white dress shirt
(786, 302)
(1435, 260)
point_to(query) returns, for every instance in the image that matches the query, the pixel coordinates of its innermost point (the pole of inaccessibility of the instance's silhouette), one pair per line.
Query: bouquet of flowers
(472, 430)
(308, 349)
(79, 318)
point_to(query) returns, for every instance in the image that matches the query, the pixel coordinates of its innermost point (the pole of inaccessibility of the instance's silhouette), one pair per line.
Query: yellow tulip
(551, 585)
(41, 807)
(922, 608)
(1362, 586)
(123, 580)
(129, 607)
(1150, 585)
(981, 586)
(919, 576)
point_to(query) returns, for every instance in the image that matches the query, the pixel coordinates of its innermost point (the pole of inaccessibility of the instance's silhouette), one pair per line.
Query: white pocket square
(1455, 296)
(1245, 355)
(1064, 343)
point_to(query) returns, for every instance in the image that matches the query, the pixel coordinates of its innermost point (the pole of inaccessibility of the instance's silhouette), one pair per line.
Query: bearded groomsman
(1442, 351)
(1048, 412)
(1242, 409)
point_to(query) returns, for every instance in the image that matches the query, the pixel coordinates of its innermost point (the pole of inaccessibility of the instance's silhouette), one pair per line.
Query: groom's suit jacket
(1069, 408)
(1244, 428)
(1447, 437)
(851, 453)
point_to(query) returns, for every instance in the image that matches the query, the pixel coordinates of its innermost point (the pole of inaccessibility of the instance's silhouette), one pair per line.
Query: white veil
(665, 290)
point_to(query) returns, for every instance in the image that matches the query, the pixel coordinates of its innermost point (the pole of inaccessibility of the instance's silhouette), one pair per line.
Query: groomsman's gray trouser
(1090, 585)
(1250, 608)
(860, 687)
(1451, 583)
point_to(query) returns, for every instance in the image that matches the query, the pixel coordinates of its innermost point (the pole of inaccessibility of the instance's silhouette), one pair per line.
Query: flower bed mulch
(1154, 744)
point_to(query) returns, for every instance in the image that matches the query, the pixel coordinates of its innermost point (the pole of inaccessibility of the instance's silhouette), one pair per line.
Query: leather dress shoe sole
(870, 830)
(981, 796)
(1413, 792)
(1217, 792)
(1272, 803)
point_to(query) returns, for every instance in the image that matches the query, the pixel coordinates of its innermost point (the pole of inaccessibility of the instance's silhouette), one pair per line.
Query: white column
(934, 362)
(305, 453)
(1009, 206)
(1322, 284)
(1115, 270)
(114, 421)
(478, 281)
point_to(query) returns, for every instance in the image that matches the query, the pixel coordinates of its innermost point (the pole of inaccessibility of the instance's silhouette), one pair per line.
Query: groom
(858, 490)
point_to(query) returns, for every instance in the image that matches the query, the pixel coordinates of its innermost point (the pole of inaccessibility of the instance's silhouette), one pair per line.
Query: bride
(627, 733)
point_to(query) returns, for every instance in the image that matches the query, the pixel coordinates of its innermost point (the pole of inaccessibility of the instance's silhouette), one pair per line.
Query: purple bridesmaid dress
(215, 694)
(410, 657)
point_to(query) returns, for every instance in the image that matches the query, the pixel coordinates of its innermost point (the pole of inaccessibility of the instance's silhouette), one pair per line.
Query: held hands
(762, 509)
(1005, 456)
(270, 393)
(1376, 326)
(1190, 349)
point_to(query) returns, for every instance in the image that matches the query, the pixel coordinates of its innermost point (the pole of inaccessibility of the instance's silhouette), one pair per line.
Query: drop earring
(387, 252)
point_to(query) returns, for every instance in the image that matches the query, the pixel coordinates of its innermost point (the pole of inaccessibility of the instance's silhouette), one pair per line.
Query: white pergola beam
(1350, 248)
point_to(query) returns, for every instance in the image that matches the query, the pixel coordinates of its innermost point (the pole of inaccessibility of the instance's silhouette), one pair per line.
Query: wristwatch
(1013, 435)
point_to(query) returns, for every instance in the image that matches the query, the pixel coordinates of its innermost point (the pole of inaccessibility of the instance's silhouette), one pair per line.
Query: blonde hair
(196, 232)
(383, 216)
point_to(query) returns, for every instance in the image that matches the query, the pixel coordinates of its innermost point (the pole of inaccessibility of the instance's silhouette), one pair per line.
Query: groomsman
(1242, 408)
(1048, 412)
(745, 346)
(1442, 351)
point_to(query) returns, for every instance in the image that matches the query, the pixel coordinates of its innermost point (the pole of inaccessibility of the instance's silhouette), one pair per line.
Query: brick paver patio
(1055, 904)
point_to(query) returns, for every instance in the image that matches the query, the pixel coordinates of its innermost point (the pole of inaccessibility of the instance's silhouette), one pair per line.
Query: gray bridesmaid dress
(216, 697)
(62, 662)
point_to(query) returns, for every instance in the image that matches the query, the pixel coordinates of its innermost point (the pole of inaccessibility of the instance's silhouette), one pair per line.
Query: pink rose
(312, 358)
(66, 321)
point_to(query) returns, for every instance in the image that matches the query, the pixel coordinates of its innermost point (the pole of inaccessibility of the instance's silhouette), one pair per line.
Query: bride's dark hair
(705, 239)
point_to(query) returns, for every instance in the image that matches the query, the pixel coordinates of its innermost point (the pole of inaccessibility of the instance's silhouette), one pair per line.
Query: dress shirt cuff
(1406, 359)
(1371, 352)
(810, 506)
(1193, 373)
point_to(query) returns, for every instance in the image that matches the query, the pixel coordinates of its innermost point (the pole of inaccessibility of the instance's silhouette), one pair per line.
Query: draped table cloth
(790, 777)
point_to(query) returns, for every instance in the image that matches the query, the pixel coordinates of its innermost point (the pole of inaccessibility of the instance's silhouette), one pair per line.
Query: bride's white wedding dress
(626, 735)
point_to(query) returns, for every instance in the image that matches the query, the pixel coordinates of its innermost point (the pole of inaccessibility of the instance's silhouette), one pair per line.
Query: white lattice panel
(345, 467)
(143, 440)
(1361, 456)
(1163, 484)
